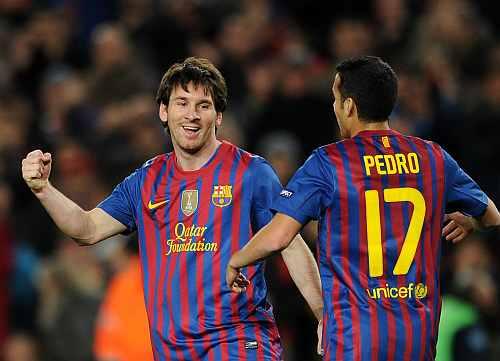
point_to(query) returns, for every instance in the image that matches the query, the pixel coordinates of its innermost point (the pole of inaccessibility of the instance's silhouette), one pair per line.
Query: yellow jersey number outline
(374, 233)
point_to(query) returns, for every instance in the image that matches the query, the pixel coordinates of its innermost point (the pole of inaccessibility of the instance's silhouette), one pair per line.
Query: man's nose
(192, 113)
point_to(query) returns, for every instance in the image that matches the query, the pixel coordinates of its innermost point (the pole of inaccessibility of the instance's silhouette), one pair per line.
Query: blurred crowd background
(78, 79)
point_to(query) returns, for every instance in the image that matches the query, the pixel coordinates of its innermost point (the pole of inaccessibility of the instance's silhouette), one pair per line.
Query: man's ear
(349, 106)
(162, 112)
(218, 120)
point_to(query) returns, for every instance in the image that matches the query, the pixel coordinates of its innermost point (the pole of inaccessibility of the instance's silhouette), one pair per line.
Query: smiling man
(192, 208)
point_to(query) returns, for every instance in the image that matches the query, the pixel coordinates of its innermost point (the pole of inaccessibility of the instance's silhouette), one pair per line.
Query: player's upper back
(385, 185)
(385, 170)
(382, 155)
(381, 159)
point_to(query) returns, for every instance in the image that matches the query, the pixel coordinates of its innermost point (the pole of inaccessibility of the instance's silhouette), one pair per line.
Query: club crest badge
(222, 195)
(189, 201)
(385, 142)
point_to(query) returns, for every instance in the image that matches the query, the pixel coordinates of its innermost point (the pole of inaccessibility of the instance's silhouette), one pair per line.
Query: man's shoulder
(418, 140)
(151, 165)
(328, 151)
(332, 146)
(243, 155)
(158, 159)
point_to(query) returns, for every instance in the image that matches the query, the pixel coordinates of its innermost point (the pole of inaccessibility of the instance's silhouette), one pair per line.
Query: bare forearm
(84, 227)
(70, 218)
(274, 237)
(304, 272)
(490, 219)
(259, 248)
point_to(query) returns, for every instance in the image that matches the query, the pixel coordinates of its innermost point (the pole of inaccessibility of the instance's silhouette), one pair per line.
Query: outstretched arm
(272, 238)
(85, 227)
(281, 235)
(304, 272)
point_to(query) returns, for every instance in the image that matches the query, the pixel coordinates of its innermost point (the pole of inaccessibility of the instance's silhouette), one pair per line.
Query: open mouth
(191, 130)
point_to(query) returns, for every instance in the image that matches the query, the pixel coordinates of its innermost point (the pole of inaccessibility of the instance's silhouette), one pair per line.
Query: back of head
(372, 84)
(200, 72)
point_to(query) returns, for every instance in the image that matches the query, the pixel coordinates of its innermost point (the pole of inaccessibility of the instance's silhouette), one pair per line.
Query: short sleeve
(310, 191)
(266, 184)
(462, 193)
(120, 204)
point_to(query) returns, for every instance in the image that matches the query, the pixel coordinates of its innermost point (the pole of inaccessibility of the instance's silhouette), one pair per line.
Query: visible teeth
(194, 129)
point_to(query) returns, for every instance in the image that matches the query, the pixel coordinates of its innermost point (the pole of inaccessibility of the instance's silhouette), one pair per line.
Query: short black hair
(372, 84)
(200, 71)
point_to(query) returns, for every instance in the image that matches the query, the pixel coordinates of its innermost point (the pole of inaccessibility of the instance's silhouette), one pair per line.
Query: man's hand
(236, 281)
(36, 170)
(458, 227)
(320, 338)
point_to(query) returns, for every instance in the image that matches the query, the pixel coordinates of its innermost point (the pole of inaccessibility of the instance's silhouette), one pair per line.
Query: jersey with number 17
(380, 198)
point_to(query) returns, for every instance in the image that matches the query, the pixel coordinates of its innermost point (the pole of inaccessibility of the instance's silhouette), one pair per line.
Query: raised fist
(36, 169)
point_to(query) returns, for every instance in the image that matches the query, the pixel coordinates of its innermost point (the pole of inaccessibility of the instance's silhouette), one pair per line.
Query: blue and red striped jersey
(380, 199)
(189, 223)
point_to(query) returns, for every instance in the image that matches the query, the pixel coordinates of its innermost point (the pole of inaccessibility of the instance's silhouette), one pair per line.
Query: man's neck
(362, 126)
(191, 162)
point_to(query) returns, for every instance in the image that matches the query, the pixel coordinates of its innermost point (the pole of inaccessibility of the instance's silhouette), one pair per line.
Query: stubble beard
(188, 147)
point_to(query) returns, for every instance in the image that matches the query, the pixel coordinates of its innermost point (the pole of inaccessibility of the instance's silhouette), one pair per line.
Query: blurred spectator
(117, 73)
(122, 332)
(14, 130)
(454, 29)
(71, 285)
(6, 244)
(413, 114)
(262, 77)
(128, 132)
(22, 290)
(134, 15)
(237, 39)
(64, 111)
(75, 173)
(458, 317)
(481, 127)
(20, 347)
(231, 130)
(202, 48)
(45, 39)
(473, 295)
(350, 37)
(282, 150)
(394, 25)
(162, 34)
(296, 109)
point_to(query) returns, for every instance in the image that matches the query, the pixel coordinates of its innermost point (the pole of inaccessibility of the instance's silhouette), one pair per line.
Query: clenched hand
(36, 170)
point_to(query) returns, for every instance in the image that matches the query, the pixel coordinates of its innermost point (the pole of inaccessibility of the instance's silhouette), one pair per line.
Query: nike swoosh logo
(152, 205)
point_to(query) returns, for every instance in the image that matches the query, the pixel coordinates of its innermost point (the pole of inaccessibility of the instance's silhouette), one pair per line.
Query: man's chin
(190, 148)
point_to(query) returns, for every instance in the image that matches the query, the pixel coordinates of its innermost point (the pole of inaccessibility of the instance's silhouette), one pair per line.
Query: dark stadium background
(78, 79)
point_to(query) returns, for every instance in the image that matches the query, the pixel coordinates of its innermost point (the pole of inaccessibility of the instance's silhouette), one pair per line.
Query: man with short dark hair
(380, 198)
(192, 209)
